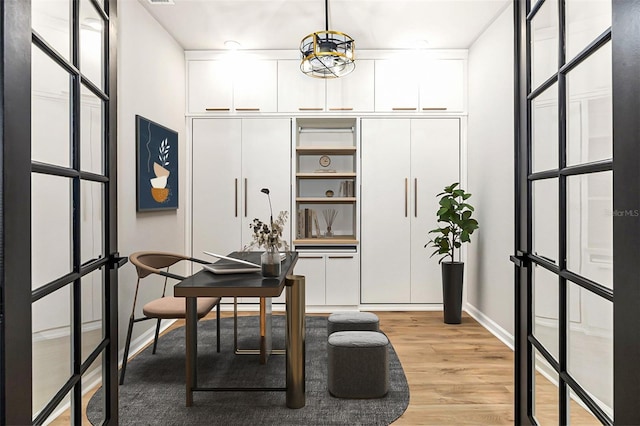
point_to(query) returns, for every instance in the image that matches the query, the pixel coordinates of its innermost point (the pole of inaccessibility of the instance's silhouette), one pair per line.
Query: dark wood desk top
(208, 284)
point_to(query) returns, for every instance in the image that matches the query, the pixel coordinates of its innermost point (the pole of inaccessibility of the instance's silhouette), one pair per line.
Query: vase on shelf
(270, 262)
(329, 217)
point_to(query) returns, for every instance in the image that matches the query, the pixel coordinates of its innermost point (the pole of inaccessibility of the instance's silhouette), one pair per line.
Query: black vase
(452, 275)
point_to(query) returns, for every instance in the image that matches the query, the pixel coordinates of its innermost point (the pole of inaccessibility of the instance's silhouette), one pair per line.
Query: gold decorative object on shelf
(329, 193)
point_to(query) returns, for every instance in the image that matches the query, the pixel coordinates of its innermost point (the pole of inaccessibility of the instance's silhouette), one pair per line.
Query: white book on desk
(232, 265)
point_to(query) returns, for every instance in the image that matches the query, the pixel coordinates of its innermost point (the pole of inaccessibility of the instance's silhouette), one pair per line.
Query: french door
(58, 322)
(577, 212)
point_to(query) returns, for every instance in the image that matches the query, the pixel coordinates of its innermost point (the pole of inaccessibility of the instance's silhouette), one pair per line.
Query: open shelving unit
(326, 182)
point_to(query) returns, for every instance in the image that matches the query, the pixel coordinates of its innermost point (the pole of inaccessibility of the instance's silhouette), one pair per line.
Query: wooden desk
(206, 284)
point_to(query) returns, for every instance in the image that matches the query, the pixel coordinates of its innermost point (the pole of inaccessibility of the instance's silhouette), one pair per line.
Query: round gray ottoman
(358, 364)
(352, 321)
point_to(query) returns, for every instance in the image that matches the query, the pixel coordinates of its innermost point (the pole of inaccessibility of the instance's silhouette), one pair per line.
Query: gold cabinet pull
(310, 257)
(404, 108)
(341, 109)
(406, 197)
(216, 109)
(415, 197)
(340, 257)
(434, 108)
(247, 109)
(236, 189)
(245, 197)
(309, 109)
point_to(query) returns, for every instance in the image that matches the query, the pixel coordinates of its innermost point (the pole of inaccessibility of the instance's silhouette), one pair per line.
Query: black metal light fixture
(327, 54)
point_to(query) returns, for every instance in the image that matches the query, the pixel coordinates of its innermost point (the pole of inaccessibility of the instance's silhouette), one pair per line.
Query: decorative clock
(325, 160)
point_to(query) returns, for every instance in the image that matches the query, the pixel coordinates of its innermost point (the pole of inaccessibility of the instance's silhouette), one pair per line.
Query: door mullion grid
(529, 284)
(76, 315)
(563, 417)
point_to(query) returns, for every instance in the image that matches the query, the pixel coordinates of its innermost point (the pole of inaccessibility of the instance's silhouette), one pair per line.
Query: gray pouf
(352, 321)
(358, 364)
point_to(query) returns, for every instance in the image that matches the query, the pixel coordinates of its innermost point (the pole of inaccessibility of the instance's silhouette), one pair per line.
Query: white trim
(493, 327)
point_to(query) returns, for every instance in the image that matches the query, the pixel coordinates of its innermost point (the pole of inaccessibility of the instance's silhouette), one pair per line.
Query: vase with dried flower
(269, 237)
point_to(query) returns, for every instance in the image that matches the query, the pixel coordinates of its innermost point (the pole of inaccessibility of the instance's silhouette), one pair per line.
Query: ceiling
(281, 24)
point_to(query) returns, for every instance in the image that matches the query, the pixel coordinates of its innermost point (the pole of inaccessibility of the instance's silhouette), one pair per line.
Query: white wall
(151, 75)
(490, 177)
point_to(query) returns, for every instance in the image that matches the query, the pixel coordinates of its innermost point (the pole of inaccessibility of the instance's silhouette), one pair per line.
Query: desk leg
(265, 329)
(295, 341)
(191, 342)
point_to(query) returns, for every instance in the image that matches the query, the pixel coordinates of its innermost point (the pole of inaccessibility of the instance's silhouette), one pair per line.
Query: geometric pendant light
(327, 54)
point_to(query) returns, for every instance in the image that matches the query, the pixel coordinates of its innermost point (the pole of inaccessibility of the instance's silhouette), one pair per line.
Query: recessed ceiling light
(232, 45)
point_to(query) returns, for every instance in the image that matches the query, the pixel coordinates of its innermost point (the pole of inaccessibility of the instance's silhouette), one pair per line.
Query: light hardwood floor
(457, 374)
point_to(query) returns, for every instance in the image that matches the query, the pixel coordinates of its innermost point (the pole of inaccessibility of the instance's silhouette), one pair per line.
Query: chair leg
(218, 326)
(126, 351)
(155, 339)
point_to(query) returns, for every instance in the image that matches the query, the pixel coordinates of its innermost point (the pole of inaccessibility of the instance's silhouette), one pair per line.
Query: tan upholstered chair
(164, 307)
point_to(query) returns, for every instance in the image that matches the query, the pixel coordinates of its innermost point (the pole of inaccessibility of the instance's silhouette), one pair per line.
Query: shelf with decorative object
(326, 180)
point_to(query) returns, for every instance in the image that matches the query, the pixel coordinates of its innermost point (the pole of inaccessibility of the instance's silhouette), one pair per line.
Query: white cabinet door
(442, 85)
(396, 85)
(385, 221)
(210, 86)
(342, 279)
(255, 85)
(435, 153)
(354, 92)
(313, 269)
(298, 92)
(216, 185)
(266, 163)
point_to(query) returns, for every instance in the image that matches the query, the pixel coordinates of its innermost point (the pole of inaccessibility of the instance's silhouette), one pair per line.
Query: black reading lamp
(266, 191)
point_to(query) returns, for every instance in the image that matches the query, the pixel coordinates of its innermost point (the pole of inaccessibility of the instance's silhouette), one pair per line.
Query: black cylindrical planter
(452, 274)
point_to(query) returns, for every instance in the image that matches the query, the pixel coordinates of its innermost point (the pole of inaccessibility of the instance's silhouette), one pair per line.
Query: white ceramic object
(159, 182)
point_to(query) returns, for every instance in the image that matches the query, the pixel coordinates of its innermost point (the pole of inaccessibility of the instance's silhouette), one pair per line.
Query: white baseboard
(401, 307)
(503, 335)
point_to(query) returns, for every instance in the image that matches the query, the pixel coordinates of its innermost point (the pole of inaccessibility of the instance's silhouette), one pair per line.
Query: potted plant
(456, 227)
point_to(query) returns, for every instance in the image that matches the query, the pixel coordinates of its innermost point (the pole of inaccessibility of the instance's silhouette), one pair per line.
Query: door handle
(236, 190)
(415, 197)
(245, 197)
(340, 257)
(406, 197)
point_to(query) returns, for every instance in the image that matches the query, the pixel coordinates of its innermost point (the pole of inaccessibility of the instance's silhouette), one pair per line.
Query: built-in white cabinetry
(415, 82)
(210, 86)
(298, 92)
(355, 91)
(232, 86)
(396, 85)
(331, 278)
(407, 84)
(232, 159)
(400, 181)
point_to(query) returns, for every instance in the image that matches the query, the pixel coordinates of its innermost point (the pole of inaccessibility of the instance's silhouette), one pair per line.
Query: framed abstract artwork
(156, 166)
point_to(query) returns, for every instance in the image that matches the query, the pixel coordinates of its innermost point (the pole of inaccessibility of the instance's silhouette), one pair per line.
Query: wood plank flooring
(457, 374)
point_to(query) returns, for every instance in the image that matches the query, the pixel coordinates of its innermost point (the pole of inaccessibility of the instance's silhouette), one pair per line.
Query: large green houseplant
(455, 227)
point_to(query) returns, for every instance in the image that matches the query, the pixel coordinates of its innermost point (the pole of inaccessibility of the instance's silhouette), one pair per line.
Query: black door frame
(625, 39)
(16, 168)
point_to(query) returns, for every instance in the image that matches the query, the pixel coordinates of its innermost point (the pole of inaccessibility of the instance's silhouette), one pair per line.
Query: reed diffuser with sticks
(329, 216)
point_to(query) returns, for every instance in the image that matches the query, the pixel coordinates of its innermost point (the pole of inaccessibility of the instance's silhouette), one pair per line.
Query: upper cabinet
(442, 86)
(410, 85)
(298, 92)
(210, 86)
(268, 83)
(232, 86)
(354, 92)
(396, 86)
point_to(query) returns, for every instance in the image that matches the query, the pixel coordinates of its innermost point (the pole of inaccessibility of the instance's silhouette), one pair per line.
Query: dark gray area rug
(154, 390)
